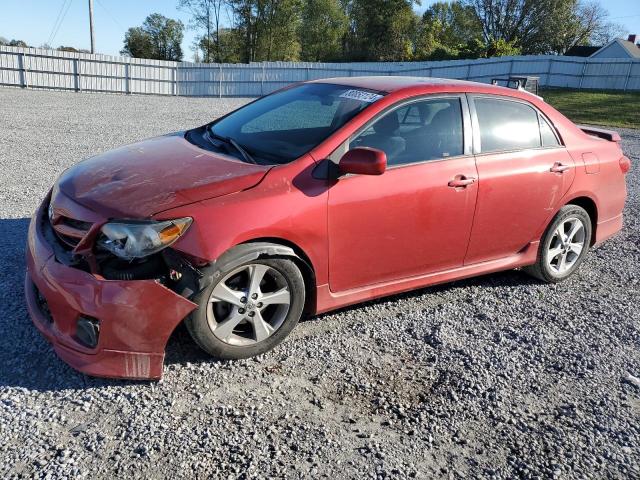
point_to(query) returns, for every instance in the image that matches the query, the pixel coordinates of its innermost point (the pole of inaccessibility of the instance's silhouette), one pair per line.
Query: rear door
(408, 221)
(524, 171)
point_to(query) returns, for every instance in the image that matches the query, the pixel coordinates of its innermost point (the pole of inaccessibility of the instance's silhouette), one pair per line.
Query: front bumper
(136, 317)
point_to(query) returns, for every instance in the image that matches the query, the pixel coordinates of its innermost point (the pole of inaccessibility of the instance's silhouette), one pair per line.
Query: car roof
(390, 84)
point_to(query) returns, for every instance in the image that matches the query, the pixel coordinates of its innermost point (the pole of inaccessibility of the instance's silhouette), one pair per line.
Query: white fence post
(626, 80)
(23, 70)
(549, 71)
(76, 75)
(220, 82)
(174, 80)
(127, 88)
(584, 69)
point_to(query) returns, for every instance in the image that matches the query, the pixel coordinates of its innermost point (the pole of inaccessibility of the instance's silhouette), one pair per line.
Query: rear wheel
(563, 246)
(249, 310)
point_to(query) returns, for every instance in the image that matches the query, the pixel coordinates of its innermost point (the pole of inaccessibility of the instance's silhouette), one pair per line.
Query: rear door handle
(460, 181)
(559, 168)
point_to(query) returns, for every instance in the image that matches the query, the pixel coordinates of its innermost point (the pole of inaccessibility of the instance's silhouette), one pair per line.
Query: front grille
(69, 230)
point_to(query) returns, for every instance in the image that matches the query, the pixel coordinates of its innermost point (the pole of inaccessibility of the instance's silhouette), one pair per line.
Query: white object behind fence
(52, 69)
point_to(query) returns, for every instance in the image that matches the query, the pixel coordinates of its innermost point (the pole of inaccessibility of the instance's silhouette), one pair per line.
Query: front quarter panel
(288, 205)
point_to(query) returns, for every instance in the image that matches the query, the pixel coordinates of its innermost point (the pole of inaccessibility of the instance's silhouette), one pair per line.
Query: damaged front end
(105, 314)
(121, 250)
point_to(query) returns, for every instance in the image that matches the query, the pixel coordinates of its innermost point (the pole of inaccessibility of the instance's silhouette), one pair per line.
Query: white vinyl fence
(51, 69)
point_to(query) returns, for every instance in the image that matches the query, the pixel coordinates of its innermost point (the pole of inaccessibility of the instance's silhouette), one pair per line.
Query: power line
(55, 24)
(112, 16)
(61, 21)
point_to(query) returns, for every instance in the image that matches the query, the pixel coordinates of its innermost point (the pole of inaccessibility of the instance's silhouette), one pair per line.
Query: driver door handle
(460, 181)
(559, 168)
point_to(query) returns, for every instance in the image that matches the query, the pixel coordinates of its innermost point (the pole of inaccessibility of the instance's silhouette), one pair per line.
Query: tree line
(372, 30)
(233, 31)
(21, 43)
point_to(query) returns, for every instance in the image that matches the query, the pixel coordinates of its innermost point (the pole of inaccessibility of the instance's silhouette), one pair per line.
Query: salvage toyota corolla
(320, 195)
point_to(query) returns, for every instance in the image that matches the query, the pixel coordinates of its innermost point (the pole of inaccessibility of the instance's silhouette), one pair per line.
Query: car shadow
(181, 348)
(28, 361)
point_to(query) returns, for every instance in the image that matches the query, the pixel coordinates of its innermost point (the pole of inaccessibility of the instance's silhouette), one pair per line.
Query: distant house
(581, 51)
(620, 48)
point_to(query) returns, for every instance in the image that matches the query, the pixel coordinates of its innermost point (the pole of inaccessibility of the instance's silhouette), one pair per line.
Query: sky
(34, 21)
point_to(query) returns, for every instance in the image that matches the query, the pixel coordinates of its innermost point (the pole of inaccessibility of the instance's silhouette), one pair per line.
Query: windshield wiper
(246, 155)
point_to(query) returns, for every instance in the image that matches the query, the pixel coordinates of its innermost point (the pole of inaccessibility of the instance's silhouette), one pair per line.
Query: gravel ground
(495, 377)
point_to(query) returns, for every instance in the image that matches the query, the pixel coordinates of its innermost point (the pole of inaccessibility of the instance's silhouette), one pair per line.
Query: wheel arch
(591, 208)
(268, 247)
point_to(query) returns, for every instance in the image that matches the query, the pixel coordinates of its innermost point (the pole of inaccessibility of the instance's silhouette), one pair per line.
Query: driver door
(412, 220)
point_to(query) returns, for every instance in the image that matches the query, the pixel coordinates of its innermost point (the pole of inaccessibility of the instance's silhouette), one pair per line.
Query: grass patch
(615, 109)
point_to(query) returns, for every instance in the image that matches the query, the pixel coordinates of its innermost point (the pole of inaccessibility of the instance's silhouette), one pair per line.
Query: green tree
(446, 29)
(577, 23)
(478, 48)
(137, 43)
(454, 31)
(324, 25)
(502, 48)
(542, 26)
(17, 43)
(225, 50)
(454, 23)
(381, 30)
(159, 38)
(206, 16)
(269, 29)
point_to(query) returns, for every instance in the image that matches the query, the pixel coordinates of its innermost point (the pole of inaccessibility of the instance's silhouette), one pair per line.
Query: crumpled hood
(139, 180)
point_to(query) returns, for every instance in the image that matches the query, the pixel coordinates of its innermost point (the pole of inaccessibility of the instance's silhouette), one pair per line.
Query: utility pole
(93, 39)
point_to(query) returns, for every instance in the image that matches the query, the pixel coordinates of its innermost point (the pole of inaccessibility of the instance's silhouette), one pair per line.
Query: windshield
(284, 126)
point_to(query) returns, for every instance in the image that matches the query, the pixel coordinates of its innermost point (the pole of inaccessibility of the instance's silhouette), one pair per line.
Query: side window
(424, 130)
(549, 138)
(506, 125)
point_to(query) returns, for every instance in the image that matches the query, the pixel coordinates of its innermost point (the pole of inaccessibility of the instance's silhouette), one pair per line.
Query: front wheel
(249, 309)
(563, 246)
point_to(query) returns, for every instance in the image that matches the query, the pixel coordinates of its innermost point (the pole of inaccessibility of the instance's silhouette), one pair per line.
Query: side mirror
(363, 161)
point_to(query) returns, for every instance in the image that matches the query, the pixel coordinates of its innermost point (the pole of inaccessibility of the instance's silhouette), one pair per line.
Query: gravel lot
(495, 377)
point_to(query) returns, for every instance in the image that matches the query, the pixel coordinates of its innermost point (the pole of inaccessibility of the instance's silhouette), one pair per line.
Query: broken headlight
(129, 239)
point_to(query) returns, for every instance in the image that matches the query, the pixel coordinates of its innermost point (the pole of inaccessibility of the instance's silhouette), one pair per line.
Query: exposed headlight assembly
(130, 239)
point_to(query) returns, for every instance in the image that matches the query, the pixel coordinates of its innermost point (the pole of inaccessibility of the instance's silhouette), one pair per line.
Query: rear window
(506, 125)
(549, 137)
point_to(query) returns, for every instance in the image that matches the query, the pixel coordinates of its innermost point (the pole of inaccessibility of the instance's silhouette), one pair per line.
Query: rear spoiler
(600, 133)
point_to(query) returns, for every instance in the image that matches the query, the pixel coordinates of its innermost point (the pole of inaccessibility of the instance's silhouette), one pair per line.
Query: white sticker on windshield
(361, 95)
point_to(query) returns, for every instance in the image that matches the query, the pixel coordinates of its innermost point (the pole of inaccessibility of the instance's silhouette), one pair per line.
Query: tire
(235, 319)
(553, 251)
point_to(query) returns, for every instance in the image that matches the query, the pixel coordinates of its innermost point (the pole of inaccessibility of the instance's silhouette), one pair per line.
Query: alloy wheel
(248, 305)
(566, 245)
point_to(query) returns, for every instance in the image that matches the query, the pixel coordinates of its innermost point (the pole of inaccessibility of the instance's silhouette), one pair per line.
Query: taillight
(625, 164)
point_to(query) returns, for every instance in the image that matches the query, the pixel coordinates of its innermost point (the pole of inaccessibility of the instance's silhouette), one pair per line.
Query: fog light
(42, 304)
(88, 331)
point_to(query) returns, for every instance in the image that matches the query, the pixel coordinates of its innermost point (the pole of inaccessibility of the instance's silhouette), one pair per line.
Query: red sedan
(318, 196)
